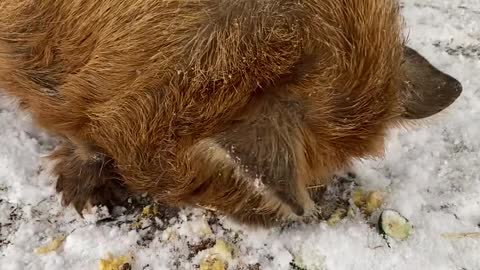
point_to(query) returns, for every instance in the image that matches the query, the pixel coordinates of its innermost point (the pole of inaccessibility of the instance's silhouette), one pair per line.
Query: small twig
(316, 186)
(146, 227)
(461, 235)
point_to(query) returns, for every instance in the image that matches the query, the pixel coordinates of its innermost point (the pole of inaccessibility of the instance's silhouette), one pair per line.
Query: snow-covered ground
(431, 175)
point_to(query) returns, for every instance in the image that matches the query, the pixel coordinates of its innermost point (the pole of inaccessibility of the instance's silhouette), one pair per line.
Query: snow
(430, 175)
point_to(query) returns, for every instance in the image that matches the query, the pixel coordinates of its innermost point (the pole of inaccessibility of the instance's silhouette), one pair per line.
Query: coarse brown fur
(235, 105)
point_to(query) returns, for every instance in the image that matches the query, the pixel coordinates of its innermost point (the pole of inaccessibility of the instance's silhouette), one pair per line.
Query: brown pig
(235, 105)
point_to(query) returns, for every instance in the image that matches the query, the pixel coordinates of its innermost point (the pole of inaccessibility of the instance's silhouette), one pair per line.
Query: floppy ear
(427, 90)
(262, 149)
(266, 147)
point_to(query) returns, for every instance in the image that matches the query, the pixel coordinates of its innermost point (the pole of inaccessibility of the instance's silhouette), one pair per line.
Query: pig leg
(86, 177)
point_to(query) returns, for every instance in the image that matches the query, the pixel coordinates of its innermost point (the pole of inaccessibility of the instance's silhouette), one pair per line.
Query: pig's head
(297, 134)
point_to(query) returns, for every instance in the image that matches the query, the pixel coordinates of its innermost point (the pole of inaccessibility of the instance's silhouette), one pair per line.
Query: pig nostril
(457, 86)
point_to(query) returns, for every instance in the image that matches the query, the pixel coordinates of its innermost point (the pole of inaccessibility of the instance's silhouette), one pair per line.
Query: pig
(238, 106)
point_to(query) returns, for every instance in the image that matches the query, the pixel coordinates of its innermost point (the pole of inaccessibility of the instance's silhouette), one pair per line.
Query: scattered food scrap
(119, 263)
(368, 202)
(337, 216)
(218, 256)
(394, 225)
(52, 246)
(212, 264)
(150, 211)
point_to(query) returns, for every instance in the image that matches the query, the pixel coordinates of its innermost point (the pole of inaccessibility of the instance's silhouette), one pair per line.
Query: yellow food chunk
(52, 246)
(212, 264)
(338, 215)
(218, 256)
(150, 211)
(368, 202)
(374, 201)
(111, 263)
(359, 198)
(136, 225)
(223, 250)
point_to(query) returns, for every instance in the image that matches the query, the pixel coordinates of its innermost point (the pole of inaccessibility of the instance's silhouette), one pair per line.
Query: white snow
(431, 176)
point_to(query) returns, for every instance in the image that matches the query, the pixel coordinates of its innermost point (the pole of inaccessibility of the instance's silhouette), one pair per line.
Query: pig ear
(265, 159)
(427, 90)
(264, 144)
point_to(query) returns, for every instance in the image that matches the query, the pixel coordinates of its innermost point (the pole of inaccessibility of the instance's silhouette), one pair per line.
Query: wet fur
(235, 105)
